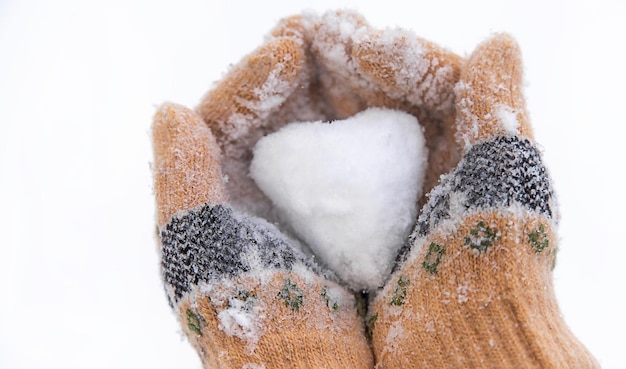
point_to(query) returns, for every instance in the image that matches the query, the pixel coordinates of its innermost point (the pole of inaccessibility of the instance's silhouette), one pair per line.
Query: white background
(79, 81)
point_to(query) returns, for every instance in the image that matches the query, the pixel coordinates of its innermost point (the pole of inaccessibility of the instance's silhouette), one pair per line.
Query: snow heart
(348, 188)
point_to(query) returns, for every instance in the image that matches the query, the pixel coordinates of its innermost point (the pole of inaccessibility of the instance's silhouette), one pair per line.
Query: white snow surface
(508, 119)
(349, 188)
(238, 320)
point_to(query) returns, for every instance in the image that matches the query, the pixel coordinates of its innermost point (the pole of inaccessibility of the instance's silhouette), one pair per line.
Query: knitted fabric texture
(500, 172)
(208, 244)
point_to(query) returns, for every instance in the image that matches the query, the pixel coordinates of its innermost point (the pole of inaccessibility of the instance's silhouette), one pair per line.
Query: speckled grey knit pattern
(212, 242)
(496, 173)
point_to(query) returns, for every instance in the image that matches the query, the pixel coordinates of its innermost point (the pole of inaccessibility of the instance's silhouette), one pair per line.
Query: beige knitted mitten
(474, 287)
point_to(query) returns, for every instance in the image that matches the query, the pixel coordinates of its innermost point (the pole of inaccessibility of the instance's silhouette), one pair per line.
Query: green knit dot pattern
(399, 294)
(538, 239)
(193, 322)
(291, 294)
(433, 257)
(481, 237)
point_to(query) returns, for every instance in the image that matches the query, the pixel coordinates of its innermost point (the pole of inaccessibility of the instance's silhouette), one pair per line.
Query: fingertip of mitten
(408, 67)
(293, 27)
(489, 96)
(253, 89)
(187, 169)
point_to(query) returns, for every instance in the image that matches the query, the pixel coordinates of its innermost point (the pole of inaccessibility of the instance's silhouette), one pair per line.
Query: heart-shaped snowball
(348, 189)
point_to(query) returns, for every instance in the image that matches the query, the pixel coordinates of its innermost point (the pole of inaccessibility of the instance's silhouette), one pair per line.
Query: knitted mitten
(474, 285)
(246, 294)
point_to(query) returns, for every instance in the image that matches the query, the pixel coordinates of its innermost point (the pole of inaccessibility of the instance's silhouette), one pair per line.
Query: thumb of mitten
(244, 295)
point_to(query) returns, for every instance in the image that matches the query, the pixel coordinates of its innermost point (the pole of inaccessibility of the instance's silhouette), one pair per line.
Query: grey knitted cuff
(497, 173)
(213, 242)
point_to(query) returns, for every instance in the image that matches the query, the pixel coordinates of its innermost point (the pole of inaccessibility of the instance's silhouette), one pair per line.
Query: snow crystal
(240, 319)
(348, 189)
(253, 366)
(462, 291)
(272, 93)
(396, 333)
(430, 327)
(508, 119)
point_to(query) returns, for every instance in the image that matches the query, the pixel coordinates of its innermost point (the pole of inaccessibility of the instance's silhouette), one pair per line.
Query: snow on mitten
(473, 288)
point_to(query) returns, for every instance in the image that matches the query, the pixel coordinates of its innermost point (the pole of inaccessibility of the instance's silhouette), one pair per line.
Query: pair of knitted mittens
(471, 288)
